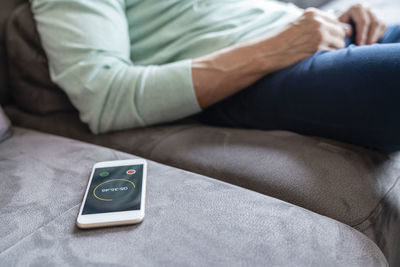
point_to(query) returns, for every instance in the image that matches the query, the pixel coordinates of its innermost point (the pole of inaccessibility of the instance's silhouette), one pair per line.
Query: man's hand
(316, 30)
(229, 70)
(369, 27)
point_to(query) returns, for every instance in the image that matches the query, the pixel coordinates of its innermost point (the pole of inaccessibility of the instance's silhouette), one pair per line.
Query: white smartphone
(115, 194)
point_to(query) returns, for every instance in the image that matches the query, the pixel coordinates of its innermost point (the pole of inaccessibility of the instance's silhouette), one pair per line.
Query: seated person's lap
(350, 94)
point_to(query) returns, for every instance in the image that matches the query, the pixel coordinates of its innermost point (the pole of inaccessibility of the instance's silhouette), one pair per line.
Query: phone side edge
(85, 195)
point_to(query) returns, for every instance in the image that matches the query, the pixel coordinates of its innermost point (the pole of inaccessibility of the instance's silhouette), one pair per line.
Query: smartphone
(115, 194)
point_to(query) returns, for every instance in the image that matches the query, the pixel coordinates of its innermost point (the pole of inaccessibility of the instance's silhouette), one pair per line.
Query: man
(255, 64)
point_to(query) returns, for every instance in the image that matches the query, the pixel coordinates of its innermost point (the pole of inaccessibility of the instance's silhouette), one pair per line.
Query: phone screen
(114, 189)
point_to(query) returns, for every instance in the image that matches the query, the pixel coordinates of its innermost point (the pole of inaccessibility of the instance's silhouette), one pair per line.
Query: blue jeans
(351, 95)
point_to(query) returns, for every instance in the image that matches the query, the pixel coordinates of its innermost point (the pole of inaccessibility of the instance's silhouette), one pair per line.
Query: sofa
(239, 197)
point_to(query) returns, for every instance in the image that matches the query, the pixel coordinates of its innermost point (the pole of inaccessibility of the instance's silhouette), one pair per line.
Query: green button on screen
(104, 174)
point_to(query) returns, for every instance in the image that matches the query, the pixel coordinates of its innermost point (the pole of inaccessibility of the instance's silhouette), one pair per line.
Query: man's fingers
(336, 44)
(325, 15)
(345, 17)
(347, 29)
(362, 21)
(329, 17)
(373, 34)
(325, 47)
(377, 29)
(368, 27)
(333, 36)
(337, 30)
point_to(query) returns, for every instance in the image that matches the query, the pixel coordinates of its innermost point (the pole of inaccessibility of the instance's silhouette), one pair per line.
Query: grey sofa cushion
(6, 8)
(190, 220)
(308, 3)
(5, 126)
(344, 182)
(29, 77)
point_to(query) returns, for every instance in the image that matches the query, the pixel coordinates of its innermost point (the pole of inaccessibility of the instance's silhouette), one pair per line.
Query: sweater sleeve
(88, 47)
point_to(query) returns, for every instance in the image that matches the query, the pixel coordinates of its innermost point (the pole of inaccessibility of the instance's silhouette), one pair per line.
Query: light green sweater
(127, 63)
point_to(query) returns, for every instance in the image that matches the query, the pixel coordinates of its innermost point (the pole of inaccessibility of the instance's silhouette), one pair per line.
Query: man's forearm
(225, 72)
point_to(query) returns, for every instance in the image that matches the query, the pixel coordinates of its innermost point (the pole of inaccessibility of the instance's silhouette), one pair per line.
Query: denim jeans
(351, 95)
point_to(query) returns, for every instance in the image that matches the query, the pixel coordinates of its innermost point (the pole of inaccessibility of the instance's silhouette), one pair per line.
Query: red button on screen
(130, 172)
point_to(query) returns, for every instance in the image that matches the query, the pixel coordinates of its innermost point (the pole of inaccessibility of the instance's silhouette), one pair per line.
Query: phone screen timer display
(114, 189)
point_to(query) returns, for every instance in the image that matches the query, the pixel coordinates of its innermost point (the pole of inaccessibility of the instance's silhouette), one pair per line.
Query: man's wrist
(270, 53)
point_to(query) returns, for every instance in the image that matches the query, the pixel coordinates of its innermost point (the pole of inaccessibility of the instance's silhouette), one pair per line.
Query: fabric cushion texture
(6, 8)
(5, 126)
(308, 3)
(191, 220)
(353, 185)
(29, 76)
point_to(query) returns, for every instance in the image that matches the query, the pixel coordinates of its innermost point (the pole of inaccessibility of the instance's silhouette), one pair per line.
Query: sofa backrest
(28, 68)
(6, 8)
(5, 126)
(307, 3)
